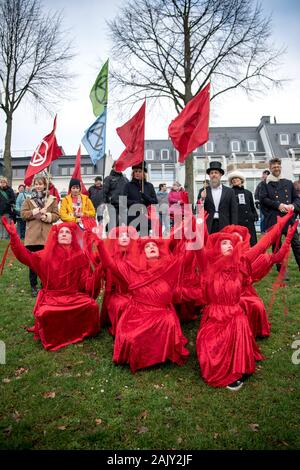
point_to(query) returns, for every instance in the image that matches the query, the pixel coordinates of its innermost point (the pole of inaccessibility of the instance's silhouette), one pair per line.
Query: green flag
(99, 91)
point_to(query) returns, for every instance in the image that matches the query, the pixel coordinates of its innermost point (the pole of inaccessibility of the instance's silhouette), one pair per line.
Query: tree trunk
(7, 152)
(189, 162)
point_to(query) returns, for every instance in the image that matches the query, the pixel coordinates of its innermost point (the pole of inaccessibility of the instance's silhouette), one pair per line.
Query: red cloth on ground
(65, 311)
(148, 331)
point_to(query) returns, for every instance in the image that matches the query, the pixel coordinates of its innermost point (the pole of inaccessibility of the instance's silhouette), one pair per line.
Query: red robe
(148, 331)
(65, 312)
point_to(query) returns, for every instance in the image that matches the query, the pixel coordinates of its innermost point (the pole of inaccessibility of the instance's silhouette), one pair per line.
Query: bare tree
(34, 53)
(171, 48)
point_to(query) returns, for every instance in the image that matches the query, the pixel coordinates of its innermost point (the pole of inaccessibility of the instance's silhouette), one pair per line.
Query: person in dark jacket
(219, 200)
(113, 188)
(277, 196)
(140, 195)
(247, 214)
(7, 202)
(97, 197)
(264, 176)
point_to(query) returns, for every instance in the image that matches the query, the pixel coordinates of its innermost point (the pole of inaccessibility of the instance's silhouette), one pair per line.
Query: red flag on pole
(46, 152)
(77, 172)
(190, 129)
(132, 134)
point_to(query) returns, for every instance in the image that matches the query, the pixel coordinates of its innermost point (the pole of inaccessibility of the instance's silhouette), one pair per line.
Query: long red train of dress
(65, 311)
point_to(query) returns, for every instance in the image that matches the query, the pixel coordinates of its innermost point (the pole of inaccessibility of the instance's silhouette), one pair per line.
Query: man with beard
(277, 196)
(219, 200)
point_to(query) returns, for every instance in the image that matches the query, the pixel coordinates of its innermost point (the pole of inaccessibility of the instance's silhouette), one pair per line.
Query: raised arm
(269, 238)
(22, 254)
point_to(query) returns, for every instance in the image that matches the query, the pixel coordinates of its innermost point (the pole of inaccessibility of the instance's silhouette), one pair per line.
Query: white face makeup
(226, 247)
(64, 236)
(124, 239)
(151, 250)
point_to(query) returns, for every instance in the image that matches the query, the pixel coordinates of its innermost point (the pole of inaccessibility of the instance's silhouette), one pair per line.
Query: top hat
(140, 166)
(215, 166)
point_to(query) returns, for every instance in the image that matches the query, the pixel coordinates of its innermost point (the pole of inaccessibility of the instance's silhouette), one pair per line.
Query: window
(18, 172)
(149, 154)
(284, 139)
(89, 170)
(251, 144)
(235, 145)
(164, 154)
(156, 175)
(298, 139)
(64, 171)
(209, 146)
(169, 175)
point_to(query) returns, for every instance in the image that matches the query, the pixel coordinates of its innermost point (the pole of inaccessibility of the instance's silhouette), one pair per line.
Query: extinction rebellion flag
(99, 91)
(94, 138)
(46, 152)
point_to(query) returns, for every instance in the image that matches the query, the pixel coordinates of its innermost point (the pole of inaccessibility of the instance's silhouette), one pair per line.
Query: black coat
(134, 194)
(113, 187)
(228, 209)
(274, 193)
(247, 214)
(7, 202)
(96, 195)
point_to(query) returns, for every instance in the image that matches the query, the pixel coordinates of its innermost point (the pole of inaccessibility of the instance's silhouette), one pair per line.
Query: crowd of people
(150, 283)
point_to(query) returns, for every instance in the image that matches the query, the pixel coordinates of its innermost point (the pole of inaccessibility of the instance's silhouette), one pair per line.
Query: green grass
(99, 405)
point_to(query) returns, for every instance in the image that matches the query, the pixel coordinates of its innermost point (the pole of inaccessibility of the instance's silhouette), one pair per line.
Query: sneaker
(34, 291)
(235, 386)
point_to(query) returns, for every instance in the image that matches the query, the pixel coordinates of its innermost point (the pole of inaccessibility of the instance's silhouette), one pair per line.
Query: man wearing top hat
(219, 200)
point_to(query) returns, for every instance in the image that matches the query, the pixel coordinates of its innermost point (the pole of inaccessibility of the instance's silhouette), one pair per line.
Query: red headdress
(60, 260)
(240, 230)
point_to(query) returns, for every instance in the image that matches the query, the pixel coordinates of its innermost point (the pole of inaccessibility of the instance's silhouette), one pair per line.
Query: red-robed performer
(65, 311)
(225, 345)
(148, 331)
(260, 263)
(119, 244)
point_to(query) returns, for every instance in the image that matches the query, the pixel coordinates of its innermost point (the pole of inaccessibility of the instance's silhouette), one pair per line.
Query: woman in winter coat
(40, 212)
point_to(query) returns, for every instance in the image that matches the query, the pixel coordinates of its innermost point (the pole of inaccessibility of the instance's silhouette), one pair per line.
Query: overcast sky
(86, 22)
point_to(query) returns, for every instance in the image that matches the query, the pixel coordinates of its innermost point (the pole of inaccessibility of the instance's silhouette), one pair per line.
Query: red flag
(190, 129)
(77, 172)
(47, 151)
(132, 134)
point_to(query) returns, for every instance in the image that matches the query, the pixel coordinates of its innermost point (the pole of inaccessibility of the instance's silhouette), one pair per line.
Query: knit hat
(74, 182)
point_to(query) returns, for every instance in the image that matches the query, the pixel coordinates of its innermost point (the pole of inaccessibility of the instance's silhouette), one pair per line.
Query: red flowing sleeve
(268, 238)
(23, 254)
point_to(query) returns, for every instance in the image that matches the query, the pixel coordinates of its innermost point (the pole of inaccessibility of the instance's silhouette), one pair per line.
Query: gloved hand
(10, 227)
(257, 204)
(282, 252)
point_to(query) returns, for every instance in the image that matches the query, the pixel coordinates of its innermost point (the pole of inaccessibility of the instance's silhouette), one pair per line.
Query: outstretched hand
(9, 226)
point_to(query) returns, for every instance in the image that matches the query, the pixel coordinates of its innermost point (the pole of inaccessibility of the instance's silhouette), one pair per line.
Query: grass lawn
(76, 398)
